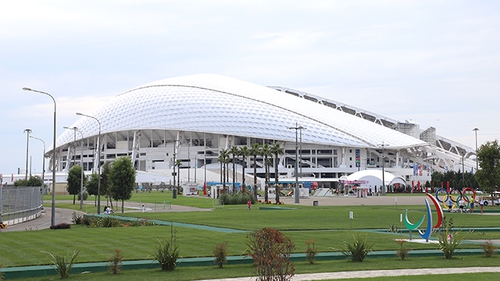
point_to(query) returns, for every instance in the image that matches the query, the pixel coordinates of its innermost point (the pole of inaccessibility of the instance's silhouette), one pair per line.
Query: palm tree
(223, 157)
(266, 152)
(244, 152)
(255, 151)
(277, 150)
(178, 163)
(234, 152)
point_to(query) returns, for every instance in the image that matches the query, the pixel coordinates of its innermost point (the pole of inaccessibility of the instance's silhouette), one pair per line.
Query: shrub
(109, 222)
(402, 252)
(220, 254)
(77, 219)
(62, 225)
(85, 195)
(448, 240)
(488, 249)
(393, 228)
(357, 250)
(115, 262)
(167, 253)
(271, 250)
(236, 198)
(61, 264)
(310, 251)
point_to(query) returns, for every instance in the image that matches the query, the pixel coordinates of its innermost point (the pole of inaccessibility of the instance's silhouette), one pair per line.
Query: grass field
(330, 227)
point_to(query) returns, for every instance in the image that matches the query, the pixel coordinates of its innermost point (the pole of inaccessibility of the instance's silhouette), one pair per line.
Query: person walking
(249, 203)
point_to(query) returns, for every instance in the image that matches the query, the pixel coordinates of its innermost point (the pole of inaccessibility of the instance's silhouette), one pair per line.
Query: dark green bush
(236, 198)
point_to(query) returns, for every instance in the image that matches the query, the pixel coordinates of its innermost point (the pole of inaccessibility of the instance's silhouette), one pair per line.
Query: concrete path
(44, 221)
(356, 201)
(376, 273)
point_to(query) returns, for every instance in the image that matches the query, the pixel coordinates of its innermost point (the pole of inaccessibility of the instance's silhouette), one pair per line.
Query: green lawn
(212, 272)
(328, 226)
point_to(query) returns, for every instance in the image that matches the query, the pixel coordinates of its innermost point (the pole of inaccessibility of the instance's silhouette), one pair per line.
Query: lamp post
(75, 129)
(477, 163)
(383, 168)
(98, 161)
(43, 164)
(53, 214)
(297, 190)
(28, 132)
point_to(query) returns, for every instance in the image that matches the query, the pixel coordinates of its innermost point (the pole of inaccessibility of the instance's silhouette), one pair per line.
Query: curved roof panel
(223, 105)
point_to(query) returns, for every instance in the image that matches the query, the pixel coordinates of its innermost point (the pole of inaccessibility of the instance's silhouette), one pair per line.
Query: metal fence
(20, 203)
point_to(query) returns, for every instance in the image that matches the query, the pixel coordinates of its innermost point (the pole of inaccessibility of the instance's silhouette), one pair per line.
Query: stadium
(193, 118)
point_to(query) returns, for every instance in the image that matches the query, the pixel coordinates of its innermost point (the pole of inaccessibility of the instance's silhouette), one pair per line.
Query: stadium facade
(192, 118)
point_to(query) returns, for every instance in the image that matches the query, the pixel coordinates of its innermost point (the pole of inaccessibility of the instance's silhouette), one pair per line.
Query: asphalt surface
(65, 215)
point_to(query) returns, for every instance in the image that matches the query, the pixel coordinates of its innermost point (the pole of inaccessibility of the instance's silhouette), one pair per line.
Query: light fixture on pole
(43, 164)
(383, 145)
(43, 158)
(75, 129)
(98, 161)
(53, 214)
(477, 162)
(28, 132)
(297, 190)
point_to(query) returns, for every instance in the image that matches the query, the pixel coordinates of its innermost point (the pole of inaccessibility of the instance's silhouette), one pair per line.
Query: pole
(297, 190)
(53, 209)
(28, 132)
(477, 162)
(43, 164)
(75, 129)
(98, 161)
(383, 168)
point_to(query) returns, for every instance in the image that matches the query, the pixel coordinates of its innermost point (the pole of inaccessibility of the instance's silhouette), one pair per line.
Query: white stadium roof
(222, 105)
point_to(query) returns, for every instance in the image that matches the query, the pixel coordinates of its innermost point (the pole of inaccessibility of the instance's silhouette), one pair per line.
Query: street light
(297, 190)
(28, 132)
(98, 161)
(43, 158)
(383, 168)
(43, 164)
(477, 163)
(53, 209)
(75, 129)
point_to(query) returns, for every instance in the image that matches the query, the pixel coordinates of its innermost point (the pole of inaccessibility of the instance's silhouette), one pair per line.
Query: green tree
(92, 185)
(244, 152)
(122, 179)
(75, 181)
(178, 164)
(266, 152)
(32, 181)
(235, 153)
(488, 175)
(436, 179)
(105, 182)
(255, 151)
(224, 160)
(277, 150)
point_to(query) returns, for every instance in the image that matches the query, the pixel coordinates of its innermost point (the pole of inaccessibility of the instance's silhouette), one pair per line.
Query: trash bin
(315, 203)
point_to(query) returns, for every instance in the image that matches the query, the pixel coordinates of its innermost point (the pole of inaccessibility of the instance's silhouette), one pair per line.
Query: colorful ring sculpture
(425, 235)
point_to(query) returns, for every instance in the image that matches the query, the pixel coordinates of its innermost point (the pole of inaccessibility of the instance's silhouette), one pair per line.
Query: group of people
(108, 210)
(462, 204)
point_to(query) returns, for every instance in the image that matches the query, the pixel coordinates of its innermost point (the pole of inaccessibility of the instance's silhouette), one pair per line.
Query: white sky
(434, 62)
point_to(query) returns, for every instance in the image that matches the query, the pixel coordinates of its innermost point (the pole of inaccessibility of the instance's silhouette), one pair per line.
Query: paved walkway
(376, 273)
